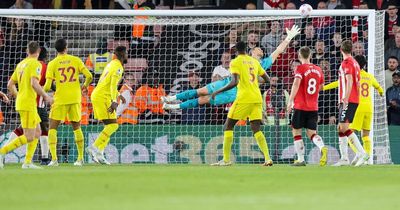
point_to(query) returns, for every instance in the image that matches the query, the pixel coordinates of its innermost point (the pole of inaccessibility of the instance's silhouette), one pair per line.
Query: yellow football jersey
(65, 70)
(107, 87)
(248, 70)
(25, 70)
(367, 81)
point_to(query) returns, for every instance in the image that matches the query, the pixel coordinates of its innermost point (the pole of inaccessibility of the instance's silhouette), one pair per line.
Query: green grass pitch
(200, 187)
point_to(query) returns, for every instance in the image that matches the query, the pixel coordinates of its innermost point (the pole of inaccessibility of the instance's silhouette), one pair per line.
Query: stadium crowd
(142, 90)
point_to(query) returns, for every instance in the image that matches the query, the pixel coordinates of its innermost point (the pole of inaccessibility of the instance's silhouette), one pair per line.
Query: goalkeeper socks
(44, 146)
(227, 146)
(80, 143)
(104, 137)
(343, 147)
(13, 144)
(355, 141)
(317, 140)
(30, 151)
(188, 94)
(189, 104)
(53, 144)
(367, 145)
(262, 143)
(299, 147)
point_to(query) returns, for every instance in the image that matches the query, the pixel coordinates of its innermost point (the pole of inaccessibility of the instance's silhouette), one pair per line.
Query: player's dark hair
(393, 57)
(251, 32)
(241, 47)
(43, 54)
(120, 52)
(346, 46)
(60, 45)
(33, 47)
(305, 52)
(361, 60)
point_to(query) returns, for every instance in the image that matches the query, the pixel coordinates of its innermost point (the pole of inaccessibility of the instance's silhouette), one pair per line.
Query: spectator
(308, 37)
(325, 65)
(275, 4)
(298, 3)
(193, 115)
(42, 4)
(230, 41)
(332, 4)
(320, 52)
(391, 19)
(148, 100)
(127, 112)
(324, 26)
(123, 4)
(393, 64)
(222, 71)
(251, 6)
(100, 4)
(335, 45)
(21, 4)
(377, 5)
(67, 4)
(393, 100)
(358, 48)
(253, 41)
(274, 103)
(4, 4)
(17, 36)
(272, 40)
(288, 23)
(327, 99)
(394, 50)
(96, 62)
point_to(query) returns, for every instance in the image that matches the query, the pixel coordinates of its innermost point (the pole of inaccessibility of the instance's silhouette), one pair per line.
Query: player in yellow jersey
(104, 101)
(26, 75)
(245, 71)
(365, 111)
(64, 70)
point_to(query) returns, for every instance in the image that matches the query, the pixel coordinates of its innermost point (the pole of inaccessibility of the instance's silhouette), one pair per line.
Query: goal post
(178, 50)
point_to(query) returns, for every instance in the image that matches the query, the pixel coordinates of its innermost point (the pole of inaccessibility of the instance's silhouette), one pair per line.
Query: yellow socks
(104, 137)
(367, 144)
(13, 144)
(227, 146)
(80, 143)
(30, 151)
(52, 135)
(262, 143)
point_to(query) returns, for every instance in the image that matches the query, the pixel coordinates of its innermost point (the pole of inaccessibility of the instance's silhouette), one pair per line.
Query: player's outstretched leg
(227, 145)
(261, 141)
(185, 95)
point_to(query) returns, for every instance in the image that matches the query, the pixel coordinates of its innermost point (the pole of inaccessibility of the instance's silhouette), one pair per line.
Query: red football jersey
(42, 81)
(312, 78)
(349, 66)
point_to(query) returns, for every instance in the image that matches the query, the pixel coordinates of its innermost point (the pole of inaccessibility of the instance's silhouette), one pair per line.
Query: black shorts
(347, 115)
(304, 119)
(43, 114)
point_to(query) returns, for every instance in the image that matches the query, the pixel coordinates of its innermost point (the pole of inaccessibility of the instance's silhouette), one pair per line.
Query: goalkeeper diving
(196, 97)
(365, 111)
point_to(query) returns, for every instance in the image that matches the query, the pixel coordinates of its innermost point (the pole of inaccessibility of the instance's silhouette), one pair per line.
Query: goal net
(169, 54)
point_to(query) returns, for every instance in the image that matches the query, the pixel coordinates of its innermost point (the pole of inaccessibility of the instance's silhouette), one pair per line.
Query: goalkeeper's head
(61, 45)
(120, 53)
(362, 61)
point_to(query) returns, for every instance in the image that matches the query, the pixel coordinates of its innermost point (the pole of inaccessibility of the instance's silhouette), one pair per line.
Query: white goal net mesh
(168, 55)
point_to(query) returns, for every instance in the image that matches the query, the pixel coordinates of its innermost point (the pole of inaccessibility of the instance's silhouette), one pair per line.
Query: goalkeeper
(363, 116)
(195, 98)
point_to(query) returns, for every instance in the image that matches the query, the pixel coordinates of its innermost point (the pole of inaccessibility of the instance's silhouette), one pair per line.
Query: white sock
(317, 140)
(356, 142)
(44, 146)
(171, 98)
(344, 148)
(173, 106)
(299, 147)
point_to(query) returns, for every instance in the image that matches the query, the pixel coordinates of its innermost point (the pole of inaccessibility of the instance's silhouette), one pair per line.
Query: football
(305, 10)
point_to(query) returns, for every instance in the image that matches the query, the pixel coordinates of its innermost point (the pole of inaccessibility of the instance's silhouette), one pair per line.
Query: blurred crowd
(143, 84)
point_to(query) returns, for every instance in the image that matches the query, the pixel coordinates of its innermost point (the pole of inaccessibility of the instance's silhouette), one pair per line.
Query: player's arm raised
(234, 82)
(293, 93)
(293, 32)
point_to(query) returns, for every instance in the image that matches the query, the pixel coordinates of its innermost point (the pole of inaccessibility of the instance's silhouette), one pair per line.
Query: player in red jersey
(309, 79)
(42, 111)
(349, 77)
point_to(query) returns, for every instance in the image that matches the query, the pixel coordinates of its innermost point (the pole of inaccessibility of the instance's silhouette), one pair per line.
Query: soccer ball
(305, 10)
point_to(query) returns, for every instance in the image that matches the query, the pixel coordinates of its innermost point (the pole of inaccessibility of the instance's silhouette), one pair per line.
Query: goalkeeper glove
(293, 32)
